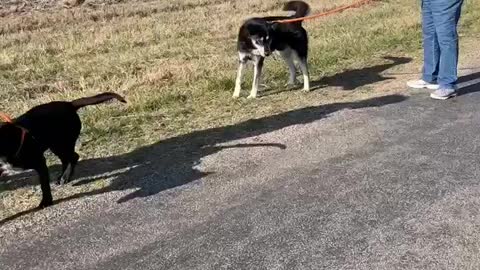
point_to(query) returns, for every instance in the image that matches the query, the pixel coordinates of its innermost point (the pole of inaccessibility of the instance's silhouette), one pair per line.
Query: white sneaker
(443, 94)
(419, 84)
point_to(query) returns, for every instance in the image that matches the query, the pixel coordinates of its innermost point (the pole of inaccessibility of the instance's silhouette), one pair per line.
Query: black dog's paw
(45, 203)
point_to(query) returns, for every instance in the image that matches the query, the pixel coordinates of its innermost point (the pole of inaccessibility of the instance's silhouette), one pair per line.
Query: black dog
(259, 37)
(55, 126)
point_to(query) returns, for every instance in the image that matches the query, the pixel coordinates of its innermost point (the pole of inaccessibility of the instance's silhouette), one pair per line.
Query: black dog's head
(10, 137)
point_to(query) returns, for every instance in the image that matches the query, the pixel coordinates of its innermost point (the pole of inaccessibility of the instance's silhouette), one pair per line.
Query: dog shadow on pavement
(173, 162)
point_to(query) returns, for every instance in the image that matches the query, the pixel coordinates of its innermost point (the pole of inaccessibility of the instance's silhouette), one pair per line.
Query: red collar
(7, 119)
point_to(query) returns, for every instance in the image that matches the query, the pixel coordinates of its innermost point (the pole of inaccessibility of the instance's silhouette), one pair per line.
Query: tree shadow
(354, 78)
(173, 162)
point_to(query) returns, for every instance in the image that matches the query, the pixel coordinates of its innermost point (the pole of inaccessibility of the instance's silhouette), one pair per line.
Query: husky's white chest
(7, 169)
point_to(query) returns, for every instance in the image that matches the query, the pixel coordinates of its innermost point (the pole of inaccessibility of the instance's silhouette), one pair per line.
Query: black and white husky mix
(259, 37)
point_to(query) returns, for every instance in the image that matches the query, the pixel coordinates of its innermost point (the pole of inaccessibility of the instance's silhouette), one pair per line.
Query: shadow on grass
(172, 162)
(350, 79)
(354, 78)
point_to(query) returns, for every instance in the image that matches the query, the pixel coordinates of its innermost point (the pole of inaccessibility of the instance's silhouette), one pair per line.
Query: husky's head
(262, 44)
(260, 34)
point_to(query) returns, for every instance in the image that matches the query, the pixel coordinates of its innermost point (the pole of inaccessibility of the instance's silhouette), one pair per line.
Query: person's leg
(446, 14)
(431, 49)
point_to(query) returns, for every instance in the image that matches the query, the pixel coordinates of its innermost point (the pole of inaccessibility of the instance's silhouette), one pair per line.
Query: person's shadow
(469, 83)
(173, 162)
(352, 79)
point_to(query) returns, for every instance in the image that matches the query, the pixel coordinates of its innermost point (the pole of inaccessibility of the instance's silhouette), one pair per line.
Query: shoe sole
(443, 98)
(430, 87)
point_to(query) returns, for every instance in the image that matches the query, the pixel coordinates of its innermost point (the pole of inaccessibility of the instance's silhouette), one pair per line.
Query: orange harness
(7, 119)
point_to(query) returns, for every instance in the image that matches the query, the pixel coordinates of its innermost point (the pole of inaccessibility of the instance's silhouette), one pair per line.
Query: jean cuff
(429, 79)
(448, 86)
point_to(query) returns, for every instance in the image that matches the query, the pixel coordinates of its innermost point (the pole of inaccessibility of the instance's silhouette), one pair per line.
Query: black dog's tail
(100, 98)
(300, 8)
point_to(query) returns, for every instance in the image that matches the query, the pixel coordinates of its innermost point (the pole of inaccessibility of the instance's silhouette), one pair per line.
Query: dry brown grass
(175, 61)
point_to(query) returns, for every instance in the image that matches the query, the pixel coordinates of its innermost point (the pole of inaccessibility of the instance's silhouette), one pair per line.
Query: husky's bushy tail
(297, 8)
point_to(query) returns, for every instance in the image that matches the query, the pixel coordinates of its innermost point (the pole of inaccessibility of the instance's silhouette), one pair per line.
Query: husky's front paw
(252, 96)
(236, 93)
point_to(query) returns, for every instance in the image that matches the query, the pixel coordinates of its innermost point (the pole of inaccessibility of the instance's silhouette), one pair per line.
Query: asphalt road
(387, 183)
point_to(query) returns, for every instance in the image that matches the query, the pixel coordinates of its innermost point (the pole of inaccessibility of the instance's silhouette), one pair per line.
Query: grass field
(175, 62)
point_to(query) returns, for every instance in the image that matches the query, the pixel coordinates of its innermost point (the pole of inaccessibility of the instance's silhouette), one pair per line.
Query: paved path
(387, 183)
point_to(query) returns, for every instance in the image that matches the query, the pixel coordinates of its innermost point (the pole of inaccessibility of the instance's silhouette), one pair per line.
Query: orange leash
(7, 119)
(326, 13)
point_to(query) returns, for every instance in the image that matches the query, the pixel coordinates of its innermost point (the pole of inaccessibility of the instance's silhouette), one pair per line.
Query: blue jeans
(440, 41)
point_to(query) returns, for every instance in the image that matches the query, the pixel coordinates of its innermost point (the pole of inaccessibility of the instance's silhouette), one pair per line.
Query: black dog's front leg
(44, 176)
